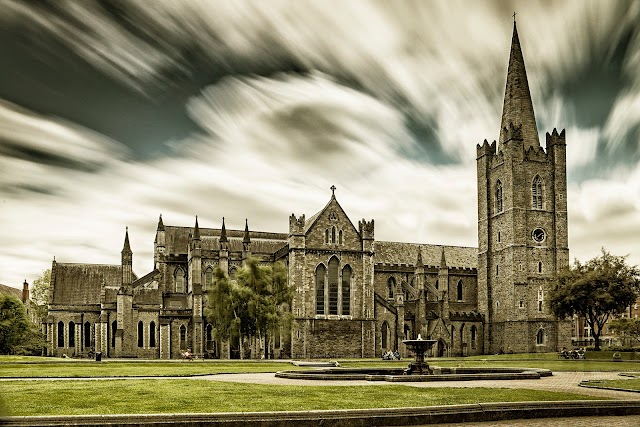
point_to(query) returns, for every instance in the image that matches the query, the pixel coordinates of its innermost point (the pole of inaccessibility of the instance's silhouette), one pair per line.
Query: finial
(514, 17)
(223, 232)
(333, 190)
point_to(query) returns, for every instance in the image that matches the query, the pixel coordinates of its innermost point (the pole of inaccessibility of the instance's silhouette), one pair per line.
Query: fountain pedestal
(419, 348)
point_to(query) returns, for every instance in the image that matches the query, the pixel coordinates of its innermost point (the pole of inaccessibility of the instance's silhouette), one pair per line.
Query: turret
(224, 249)
(246, 242)
(159, 243)
(366, 229)
(126, 260)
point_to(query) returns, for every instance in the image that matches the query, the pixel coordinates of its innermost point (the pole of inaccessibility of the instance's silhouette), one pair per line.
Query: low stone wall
(346, 418)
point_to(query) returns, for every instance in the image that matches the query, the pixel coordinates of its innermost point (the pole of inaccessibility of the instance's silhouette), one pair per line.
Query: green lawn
(203, 396)
(84, 368)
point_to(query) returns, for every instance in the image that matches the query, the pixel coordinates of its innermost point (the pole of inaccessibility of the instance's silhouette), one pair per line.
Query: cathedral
(354, 296)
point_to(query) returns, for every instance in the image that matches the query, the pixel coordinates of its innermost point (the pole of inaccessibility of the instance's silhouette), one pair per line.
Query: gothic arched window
(321, 272)
(459, 290)
(391, 287)
(334, 265)
(179, 280)
(385, 334)
(72, 334)
(340, 237)
(60, 334)
(87, 334)
(474, 335)
(498, 196)
(333, 234)
(140, 334)
(540, 337)
(183, 337)
(209, 338)
(346, 290)
(536, 193)
(152, 334)
(114, 329)
(326, 235)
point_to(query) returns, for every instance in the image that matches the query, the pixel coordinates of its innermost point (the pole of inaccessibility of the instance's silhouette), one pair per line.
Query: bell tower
(522, 224)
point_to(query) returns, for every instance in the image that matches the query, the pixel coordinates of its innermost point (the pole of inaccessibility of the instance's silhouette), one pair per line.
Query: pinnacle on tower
(247, 238)
(160, 224)
(223, 233)
(196, 230)
(126, 249)
(443, 261)
(419, 262)
(517, 110)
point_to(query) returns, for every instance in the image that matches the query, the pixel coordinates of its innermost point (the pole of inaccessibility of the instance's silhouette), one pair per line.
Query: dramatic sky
(113, 112)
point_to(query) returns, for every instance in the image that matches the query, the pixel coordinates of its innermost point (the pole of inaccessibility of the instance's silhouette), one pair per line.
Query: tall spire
(196, 230)
(126, 249)
(247, 238)
(160, 224)
(223, 232)
(517, 110)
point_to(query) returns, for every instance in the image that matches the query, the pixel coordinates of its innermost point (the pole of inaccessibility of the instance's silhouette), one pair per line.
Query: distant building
(354, 296)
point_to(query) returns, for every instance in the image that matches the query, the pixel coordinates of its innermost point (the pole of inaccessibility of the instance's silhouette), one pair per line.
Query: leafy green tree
(40, 294)
(625, 328)
(255, 305)
(596, 290)
(18, 335)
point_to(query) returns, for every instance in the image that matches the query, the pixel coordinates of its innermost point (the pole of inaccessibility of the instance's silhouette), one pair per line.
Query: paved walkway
(560, 381)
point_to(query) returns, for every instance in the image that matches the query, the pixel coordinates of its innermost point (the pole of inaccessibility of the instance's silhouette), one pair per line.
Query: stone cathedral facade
(355, 296)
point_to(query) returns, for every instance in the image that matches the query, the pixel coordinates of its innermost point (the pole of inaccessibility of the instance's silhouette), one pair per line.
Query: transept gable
(332, 228)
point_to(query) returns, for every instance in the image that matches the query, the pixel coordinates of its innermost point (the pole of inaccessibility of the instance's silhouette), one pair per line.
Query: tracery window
(391, 287)
(321, 272)
(498, 196)
(346, 290)
(333, 285)
(536, 193)
(179, 280)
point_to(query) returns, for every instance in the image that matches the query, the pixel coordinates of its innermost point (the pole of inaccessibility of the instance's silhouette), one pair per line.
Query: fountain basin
(398, 374)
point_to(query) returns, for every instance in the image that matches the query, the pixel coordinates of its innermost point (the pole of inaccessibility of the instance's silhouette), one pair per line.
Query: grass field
(630, 384)
(202, 396)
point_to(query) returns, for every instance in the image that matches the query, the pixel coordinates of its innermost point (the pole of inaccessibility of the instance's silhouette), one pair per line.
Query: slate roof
(81, 284)
(407, 253)
(8, 290)
(177, 240)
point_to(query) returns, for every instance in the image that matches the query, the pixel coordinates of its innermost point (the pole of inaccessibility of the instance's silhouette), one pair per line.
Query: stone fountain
(419, 348)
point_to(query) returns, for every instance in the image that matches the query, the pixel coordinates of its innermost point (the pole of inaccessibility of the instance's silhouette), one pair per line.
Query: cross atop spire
(333, 190)
(514, 17)
(517, 110)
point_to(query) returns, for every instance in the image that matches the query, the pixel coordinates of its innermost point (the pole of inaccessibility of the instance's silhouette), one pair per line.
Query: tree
(40, 294)
(254, 305)
(626, 328)
(596, 290)
(18, 335)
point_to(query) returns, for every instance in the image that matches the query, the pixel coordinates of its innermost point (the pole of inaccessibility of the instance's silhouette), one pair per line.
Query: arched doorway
(441, 350)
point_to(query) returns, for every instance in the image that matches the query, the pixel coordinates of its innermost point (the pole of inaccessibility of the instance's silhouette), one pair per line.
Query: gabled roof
(8, 290)
(308, 224)
(81, 284)
(407, 253)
